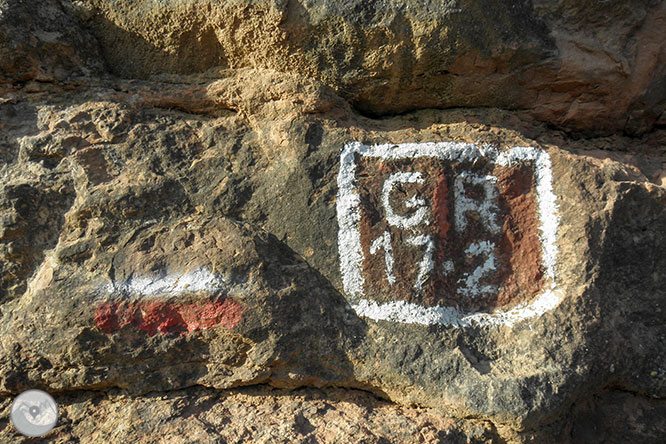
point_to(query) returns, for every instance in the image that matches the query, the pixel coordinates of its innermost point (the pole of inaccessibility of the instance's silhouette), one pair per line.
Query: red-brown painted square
(449, 233)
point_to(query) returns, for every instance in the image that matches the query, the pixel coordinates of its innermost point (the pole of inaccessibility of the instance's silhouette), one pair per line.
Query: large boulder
(274, 194)
(213, 248)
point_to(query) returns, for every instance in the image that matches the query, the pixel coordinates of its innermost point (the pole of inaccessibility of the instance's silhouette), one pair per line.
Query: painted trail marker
(447, 233)
(163, 303)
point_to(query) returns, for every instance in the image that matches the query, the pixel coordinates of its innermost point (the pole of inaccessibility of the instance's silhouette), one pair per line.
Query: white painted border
(349, 238)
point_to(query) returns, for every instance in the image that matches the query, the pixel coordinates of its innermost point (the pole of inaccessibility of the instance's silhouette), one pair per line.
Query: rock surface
(570, 63)
(172, 216)
(258, 414)
(267, 415)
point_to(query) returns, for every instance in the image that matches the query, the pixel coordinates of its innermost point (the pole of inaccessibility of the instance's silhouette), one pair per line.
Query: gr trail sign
(447, 233)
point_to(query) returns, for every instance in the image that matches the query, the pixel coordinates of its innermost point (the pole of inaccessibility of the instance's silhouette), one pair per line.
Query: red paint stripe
(167, 317)
(441, 206)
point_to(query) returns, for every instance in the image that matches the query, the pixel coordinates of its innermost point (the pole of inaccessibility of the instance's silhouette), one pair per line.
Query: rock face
(199, 196)
(571, 63)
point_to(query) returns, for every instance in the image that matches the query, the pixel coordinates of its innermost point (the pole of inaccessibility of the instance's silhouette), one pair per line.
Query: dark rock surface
(41, 41)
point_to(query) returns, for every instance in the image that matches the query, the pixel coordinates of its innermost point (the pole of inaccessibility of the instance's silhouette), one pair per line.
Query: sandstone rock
(572, 64)
(258, 414)
(249, 227)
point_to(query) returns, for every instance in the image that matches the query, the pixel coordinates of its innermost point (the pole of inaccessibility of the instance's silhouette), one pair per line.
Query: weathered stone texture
(574, 64)
(170, 219)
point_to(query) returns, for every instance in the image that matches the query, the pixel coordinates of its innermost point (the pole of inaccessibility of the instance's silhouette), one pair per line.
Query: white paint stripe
(407, 312)
(349, 216)
(168, 285)
(548, 213)
(349, 245)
